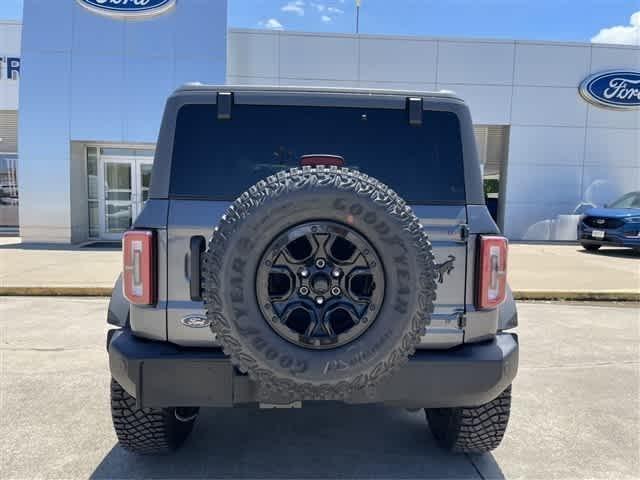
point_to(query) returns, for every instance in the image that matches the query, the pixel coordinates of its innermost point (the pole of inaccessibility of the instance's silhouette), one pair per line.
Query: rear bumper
(160, 374)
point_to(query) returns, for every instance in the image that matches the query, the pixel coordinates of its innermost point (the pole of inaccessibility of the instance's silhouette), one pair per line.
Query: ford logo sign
(614, 89)
(128, 8)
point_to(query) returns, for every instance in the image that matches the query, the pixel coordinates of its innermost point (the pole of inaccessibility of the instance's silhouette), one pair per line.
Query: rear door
(216, 159)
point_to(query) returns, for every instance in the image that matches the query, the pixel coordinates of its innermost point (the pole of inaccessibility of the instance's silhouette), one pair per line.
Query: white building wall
(92, 78)
(562, 151)
(10, 37)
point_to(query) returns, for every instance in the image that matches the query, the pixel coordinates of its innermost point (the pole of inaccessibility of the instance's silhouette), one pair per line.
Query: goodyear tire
(148, 431)
(471, 429)
(292, 266)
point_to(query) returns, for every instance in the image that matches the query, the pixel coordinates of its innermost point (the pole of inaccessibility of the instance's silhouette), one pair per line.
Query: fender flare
(118, 313)
(507, 313)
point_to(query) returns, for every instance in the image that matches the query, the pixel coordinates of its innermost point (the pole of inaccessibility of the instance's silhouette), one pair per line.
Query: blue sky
(570, 20)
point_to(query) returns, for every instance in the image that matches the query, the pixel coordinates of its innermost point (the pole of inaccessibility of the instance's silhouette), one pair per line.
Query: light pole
(358, 2)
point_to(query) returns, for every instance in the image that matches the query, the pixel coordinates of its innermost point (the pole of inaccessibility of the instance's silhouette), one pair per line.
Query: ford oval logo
(128, 8)
(195, 321)
(614, 89)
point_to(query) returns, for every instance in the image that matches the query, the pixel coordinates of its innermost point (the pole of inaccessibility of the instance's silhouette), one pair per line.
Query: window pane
(118, 195)
(92, 173)
(220, 159)
(94, 223)
(127, 152)
(145, 181)
(117, 176)
(145, 153)
(8, 190)
(118, 152)
(118, 217)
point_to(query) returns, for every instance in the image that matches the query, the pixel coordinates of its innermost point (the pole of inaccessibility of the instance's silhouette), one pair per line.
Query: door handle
(196, 248)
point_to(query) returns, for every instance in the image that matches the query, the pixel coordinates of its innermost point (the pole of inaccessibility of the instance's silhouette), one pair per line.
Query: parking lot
(575, 413)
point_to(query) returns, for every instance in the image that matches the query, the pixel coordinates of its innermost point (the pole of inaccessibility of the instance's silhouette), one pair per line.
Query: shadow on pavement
(328, 440)
(613, 252)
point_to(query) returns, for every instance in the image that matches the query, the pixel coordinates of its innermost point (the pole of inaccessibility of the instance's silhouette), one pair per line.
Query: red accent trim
(492, 272)
(138, 272)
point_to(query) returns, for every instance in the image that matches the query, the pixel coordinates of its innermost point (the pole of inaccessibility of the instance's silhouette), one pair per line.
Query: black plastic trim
(196, 247)
(225, 100)
(118, 312)
(414, 106)
(160, 374)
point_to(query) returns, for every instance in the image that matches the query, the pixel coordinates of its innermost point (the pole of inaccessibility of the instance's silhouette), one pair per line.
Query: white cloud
(321, 7)
(625, 34)
(325, 18)
(271, 24)
(294, 7)
(335, 10)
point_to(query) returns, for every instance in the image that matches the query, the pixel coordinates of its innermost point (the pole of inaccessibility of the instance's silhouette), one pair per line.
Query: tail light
(326, 160)
(492, 272)
(138, 273)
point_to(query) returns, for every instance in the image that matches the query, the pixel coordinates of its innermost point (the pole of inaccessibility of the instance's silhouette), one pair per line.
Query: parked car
(291, 250)
(617, 224)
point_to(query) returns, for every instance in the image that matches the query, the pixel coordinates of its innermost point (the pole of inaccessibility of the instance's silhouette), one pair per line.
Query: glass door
(118, 207)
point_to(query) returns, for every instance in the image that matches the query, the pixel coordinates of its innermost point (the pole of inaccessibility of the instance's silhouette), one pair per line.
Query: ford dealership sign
(614, 89)
(128, 8)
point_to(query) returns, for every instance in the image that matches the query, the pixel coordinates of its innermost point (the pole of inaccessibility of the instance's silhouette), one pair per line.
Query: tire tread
(145, 431)
(471, 429)
(290, 181)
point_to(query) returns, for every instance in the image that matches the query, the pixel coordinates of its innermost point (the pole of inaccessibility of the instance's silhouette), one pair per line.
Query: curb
(577, 296)
(55, 291)
(549, 295)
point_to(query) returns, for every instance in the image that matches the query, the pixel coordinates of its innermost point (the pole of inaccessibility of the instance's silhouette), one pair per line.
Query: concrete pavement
(575, 409)
(51, 270)
(569, 271)
(535, 271)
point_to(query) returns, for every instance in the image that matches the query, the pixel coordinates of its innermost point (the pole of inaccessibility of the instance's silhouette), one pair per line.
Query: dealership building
(82, 93)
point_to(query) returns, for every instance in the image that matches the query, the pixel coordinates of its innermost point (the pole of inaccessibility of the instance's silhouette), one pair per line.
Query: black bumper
(160, 374)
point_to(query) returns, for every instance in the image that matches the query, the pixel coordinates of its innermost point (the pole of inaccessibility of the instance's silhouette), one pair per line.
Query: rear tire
(148, 431)
(471, 429)
(590, 247)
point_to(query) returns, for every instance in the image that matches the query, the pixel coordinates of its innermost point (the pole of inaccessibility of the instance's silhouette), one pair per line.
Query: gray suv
(313, 245)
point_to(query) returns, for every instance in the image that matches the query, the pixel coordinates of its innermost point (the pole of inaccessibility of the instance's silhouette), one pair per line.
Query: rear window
(218, 160)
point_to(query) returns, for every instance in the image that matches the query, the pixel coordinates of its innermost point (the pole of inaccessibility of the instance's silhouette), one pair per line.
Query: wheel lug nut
(319, 300)
(304, 273)
(304, 291)
(321, 263)
(336, 273)
(335, 291)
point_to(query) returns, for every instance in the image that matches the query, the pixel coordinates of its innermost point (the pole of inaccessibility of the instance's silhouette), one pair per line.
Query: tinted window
(220, 159)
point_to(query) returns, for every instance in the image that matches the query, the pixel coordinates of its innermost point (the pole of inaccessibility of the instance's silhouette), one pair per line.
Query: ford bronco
(303, 244)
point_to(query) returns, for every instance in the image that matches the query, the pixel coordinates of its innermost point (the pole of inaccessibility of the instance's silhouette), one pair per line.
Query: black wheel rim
(320, 285)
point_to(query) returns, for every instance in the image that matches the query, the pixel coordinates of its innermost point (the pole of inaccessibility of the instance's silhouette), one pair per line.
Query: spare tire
(318, 282)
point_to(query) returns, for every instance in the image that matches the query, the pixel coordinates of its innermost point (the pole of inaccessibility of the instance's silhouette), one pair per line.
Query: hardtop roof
(212, 88)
